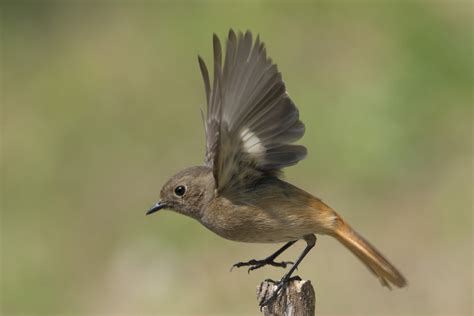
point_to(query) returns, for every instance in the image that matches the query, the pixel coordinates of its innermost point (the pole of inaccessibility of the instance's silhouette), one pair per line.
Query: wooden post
(296, 299)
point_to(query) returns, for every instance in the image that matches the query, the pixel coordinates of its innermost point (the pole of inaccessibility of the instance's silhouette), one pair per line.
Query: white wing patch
(251, 142)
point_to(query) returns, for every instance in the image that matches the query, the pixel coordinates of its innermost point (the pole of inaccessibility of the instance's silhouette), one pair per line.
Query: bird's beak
(155, 208)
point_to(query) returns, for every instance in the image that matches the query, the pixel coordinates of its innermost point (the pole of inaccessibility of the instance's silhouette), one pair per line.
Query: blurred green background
(100, 105)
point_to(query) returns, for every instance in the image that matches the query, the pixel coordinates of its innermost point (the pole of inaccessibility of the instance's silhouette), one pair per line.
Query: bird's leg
(255, 264)
(310, 242)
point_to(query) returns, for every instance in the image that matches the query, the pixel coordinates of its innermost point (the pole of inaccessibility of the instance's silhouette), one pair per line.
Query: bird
(251, 126)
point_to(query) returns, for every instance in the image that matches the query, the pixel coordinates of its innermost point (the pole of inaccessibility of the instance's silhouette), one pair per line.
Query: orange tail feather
(371, 257)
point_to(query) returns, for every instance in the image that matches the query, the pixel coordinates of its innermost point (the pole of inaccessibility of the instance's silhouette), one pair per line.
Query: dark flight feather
(251, 121)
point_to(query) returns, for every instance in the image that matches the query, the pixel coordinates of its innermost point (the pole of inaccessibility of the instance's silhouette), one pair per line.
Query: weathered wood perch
(296, 299)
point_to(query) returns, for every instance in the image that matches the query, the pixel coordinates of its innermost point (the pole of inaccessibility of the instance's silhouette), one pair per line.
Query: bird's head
(188, 192)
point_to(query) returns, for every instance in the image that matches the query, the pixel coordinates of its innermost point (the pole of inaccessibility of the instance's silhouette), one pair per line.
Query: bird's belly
(255, 235)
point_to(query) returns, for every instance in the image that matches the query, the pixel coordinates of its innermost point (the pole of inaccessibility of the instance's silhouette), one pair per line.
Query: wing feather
(251, 121)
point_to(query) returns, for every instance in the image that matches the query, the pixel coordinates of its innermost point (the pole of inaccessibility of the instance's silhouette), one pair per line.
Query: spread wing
(251, 121)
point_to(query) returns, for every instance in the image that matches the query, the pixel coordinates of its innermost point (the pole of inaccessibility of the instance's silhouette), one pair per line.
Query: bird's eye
(180, 190)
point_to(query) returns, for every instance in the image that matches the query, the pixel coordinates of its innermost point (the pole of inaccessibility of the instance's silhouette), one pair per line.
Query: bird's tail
(371, 257)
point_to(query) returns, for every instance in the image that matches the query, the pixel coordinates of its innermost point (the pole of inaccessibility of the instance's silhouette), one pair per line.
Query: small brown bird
(250, 126)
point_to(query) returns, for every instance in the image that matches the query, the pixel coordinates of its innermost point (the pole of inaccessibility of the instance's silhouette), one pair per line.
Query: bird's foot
(280, 285)
(257, 264)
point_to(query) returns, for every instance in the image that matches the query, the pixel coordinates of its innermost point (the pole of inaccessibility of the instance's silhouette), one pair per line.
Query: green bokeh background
(100, 105)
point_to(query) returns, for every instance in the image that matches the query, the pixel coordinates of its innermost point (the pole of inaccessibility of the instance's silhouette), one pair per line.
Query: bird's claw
(272, 297)
(280, 285)
(257, 264)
